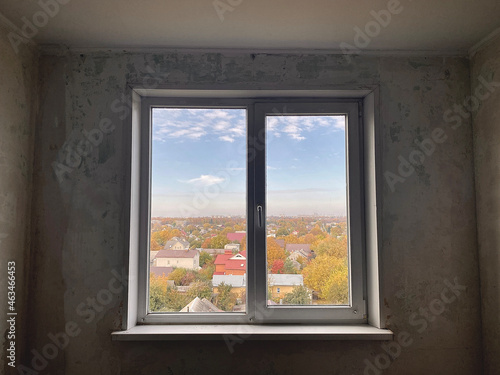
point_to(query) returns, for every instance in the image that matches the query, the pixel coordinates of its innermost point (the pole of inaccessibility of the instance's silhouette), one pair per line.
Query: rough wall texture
(429, 233)
(17, 105)
(486, 65)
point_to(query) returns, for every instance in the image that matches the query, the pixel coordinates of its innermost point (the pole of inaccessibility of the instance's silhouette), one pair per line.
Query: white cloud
(296, 127)
(227, 138)
(178, 123)
(205, 180)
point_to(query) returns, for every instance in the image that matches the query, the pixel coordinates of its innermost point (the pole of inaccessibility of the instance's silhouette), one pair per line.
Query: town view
(198, 255)
(199, 264)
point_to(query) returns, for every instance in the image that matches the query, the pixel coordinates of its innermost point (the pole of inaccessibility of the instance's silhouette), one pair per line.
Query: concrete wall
(17, 113)
(429, 227)
(486, 65)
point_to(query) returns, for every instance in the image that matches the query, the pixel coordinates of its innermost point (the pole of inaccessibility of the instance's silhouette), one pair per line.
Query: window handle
(259, 216)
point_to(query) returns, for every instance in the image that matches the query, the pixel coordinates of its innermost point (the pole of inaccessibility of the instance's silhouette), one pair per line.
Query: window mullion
(258, 146)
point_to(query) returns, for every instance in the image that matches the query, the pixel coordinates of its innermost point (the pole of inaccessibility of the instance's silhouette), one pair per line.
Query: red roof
(235, 236)
(224, 258)
(236, 264)
(219, 273)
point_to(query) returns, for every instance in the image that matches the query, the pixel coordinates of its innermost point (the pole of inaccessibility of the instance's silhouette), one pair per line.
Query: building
(231, 264)
(178, 258)
(232, 246)
(200, 305)
(238, 283)
(176, 243)
(281, 284)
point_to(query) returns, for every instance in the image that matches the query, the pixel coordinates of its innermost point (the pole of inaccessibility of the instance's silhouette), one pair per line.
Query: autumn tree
(300, 295)
(157, 293)
(219, 241)
(328, 275)
(177, 275)
(205, 258)
(225, 298)
(200, 289)
(277, 266)
(274, 252)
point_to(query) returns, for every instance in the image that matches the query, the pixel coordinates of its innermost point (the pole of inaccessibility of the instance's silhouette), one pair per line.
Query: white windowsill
(252, 332)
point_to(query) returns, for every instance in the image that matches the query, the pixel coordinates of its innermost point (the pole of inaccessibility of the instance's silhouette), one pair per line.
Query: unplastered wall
(18, 69)
(429, 256)
(486, 120)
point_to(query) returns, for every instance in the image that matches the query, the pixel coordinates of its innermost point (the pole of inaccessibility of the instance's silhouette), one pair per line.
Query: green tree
(288, 267)
(200, 289)
(177, 275)
(225, 299)
(219, 241)
(175, 300)
(205, 258)
(300, 295)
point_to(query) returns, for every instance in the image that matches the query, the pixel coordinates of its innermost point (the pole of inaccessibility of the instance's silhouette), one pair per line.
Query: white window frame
(367, 322)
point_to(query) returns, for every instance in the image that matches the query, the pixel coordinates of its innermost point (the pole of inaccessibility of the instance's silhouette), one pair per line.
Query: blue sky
(199, 163)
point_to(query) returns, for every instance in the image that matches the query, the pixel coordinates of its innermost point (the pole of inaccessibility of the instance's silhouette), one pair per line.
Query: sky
(199, 163)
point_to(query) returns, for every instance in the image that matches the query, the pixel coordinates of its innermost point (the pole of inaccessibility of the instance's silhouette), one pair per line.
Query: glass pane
(307, 252)
(198, 210)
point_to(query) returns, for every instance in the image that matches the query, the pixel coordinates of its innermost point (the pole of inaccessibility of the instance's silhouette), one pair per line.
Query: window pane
(307, 252)
(198, 210)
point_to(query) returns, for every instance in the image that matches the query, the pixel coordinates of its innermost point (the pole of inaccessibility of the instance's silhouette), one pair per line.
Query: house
(281, 284)
(152, 256)
(298, 250)
(238, 283)
(178, 258)
(232, 246)
(231, 264)
(176, 243)
(200, 305)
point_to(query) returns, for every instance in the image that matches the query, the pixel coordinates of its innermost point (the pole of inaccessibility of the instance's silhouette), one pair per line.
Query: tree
(157, 293)
(282, 232)
(274, 252)
(288, 267)
(177, 275)
(328, 275)
(300, 295)
(225, 298)
(175, 300)
(207, 244)
(277, 266)
(332, 247)
(165, 234)
(219, 241)
(200, 289)
(206, 273)
(205, 258)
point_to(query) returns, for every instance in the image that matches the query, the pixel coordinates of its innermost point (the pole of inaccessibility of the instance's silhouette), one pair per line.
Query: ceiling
(420, 25)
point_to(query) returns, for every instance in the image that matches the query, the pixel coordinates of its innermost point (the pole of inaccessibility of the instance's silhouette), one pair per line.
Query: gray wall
(429, 227)
(17, 112)
(486, 65)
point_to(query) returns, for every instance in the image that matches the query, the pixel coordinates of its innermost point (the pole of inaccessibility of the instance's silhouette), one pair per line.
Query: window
(271, 200)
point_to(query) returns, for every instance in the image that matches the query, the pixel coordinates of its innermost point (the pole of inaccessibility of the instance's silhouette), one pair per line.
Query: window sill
(252, 332)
